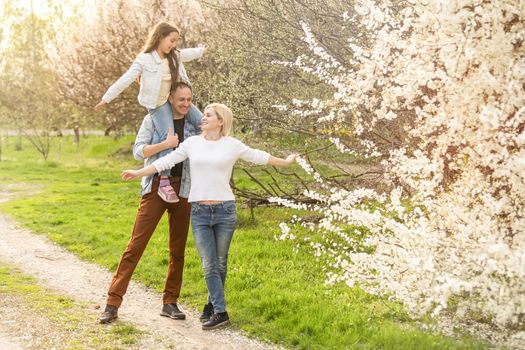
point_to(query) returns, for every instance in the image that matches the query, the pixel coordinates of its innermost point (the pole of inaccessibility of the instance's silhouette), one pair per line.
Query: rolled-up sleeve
(187, 55)
(168, 161)
(144, 138)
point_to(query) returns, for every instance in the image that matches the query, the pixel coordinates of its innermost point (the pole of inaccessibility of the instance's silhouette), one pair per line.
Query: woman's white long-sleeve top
(211, 165)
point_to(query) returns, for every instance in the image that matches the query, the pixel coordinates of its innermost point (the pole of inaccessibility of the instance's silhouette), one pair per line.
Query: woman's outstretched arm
(131, 174)
(275, 161)
(163, 163)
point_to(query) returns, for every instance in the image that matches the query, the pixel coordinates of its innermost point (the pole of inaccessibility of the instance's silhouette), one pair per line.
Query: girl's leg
(162, 118)
(194, 116)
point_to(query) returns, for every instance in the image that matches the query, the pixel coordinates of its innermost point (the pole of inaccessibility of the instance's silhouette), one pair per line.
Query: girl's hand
(100, 105)
(204, 48)
(129, 174)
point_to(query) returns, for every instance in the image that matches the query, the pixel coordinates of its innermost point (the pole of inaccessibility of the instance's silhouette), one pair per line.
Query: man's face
(181, 101)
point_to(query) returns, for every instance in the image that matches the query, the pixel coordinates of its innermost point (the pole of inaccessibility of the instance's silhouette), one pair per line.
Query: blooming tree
(449, 234)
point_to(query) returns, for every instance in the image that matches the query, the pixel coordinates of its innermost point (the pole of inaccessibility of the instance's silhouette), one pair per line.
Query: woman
(212, 156)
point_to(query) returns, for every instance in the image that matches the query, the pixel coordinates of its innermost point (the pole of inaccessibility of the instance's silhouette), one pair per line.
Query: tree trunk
(108, 131)
(77, 136)
(18, 145)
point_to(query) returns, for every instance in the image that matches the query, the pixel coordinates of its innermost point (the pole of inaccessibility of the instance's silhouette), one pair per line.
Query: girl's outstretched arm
(123, 82)
(100, 105)
(275, 161)
(131, 174)
(187, 55)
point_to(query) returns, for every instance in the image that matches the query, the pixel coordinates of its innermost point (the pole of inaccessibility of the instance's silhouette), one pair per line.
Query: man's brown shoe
(172, 311)
(110, 314)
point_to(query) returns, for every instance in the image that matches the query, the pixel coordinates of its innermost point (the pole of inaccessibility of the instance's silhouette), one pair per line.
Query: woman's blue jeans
(213, 227)
(162, 118)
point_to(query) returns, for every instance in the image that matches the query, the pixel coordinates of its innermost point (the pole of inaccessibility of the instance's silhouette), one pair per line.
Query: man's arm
(172, 140)
(142, 148)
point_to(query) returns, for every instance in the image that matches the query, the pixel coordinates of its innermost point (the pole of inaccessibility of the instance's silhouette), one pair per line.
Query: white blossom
(457, 68)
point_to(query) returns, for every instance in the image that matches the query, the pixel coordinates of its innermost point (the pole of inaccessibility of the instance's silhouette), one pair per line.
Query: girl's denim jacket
(148, 135)
(149, 67)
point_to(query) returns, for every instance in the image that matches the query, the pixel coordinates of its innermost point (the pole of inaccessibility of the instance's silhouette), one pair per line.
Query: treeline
(56, 66)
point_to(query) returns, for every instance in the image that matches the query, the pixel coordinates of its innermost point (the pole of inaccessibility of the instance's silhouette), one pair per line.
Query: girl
(159, 66)
(213, 214)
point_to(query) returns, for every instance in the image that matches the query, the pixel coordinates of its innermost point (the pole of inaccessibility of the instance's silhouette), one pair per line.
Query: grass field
(272, 292)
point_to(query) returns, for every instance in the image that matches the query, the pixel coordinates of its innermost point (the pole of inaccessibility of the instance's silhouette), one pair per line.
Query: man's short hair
(180, 85)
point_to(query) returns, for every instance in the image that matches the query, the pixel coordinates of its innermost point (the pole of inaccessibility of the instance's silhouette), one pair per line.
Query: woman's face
(210, 121)
(168, 43)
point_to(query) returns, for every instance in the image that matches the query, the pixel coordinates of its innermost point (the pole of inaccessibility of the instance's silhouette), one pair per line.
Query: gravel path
(7, 343)
(58, 269)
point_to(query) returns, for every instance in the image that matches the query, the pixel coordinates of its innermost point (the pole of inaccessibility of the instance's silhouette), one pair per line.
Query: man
(150, 141)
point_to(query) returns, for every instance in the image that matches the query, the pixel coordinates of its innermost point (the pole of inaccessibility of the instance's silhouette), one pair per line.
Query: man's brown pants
(150, 211)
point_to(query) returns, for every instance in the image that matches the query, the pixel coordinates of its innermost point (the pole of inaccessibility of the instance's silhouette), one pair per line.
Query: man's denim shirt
(148, 135)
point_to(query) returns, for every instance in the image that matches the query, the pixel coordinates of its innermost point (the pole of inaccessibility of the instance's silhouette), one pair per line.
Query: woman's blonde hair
(223, 113)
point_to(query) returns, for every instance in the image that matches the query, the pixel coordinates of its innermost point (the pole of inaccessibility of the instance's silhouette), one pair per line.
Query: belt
(172, 178)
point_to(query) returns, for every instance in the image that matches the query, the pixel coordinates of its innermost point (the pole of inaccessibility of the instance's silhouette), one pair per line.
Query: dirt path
(60, 270)
(7, 343)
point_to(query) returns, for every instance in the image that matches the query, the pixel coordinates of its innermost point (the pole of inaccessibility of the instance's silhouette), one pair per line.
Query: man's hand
(172, 140)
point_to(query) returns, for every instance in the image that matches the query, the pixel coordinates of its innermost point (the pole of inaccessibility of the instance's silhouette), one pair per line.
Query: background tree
(30, 101)
(247, 68)
(450, 236)
(103, 48)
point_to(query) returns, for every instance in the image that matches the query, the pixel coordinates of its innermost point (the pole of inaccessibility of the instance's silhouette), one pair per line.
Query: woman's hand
(129, 174)
(100, 105)
(275, 161)
(291, 158)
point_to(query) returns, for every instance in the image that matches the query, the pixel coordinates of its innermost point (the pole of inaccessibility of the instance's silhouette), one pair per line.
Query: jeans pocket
(195, 208)
(229, 207)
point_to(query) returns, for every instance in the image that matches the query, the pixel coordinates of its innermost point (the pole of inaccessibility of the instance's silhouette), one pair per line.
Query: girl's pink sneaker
(166, 192)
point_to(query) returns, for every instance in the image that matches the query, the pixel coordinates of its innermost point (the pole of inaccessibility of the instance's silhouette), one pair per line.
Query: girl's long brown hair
(159, 32)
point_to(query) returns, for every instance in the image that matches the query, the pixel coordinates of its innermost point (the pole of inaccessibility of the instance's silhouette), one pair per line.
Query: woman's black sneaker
(206, 313)
(220, 319)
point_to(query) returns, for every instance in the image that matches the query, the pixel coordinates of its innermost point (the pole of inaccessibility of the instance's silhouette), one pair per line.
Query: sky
(41, 7)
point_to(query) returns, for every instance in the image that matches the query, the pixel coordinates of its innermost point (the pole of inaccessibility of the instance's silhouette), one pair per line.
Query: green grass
(272, 292)
(71, 325)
